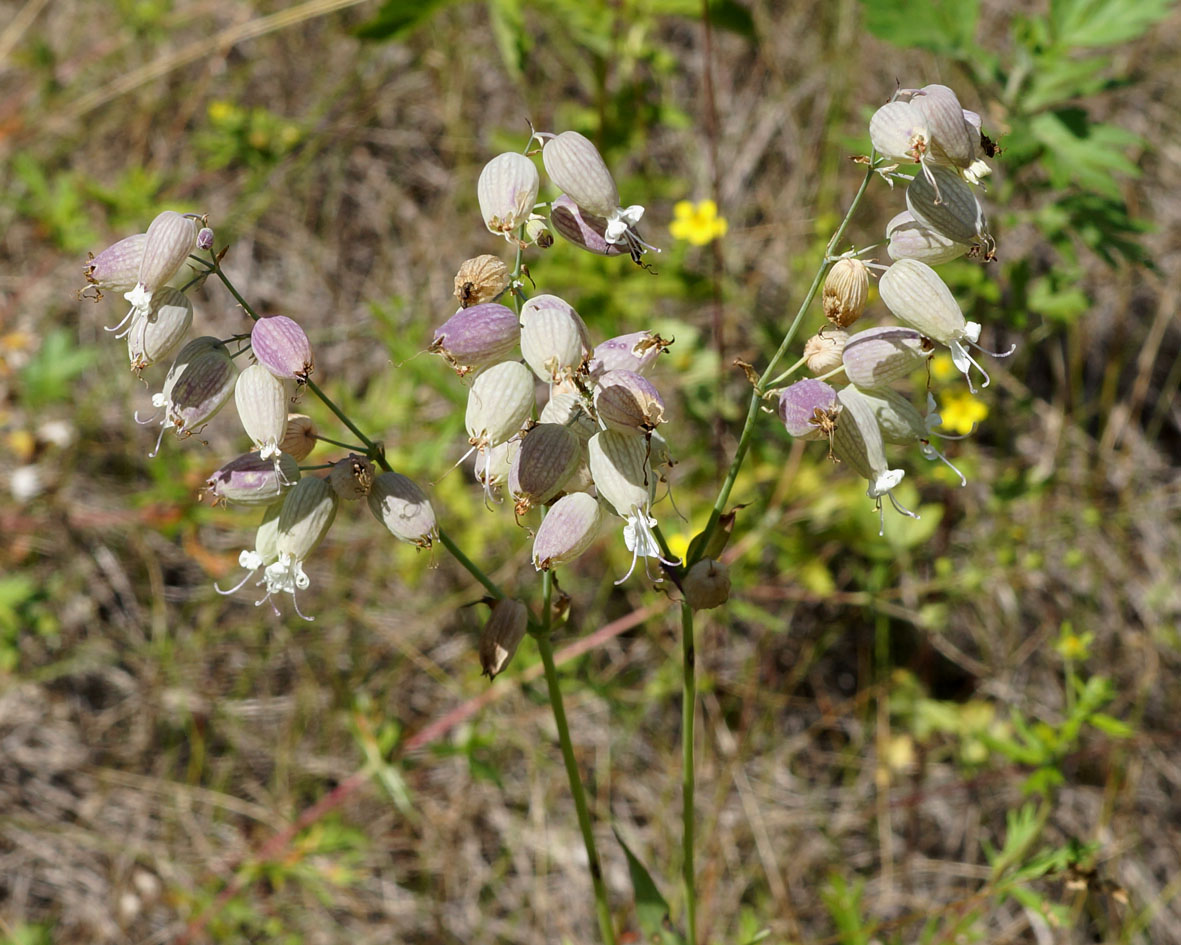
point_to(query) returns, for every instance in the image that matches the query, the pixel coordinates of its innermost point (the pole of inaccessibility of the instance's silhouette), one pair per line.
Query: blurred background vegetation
(965, 730)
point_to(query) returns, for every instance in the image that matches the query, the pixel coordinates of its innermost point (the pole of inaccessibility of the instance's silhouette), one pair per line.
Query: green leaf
(1104, 22)
(1056, 79)
(941, 26)
(512, 39)
(724, 14)
(1080, 152)
(47, 377)
(398, 17)
(651, 908)
(1111, 726)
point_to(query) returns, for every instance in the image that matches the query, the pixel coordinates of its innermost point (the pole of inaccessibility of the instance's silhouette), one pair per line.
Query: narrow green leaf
(398, 17)
(1082, 152)
(651, 907)
(1111, 726)
(1058, 79)
(508, 29)
(1104, 22)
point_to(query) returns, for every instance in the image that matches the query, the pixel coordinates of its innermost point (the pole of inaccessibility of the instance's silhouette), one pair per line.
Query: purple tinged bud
(809, 409)
(549, 455)
(877, 357)
(476, 337)
(117, 267)
(251, 480)
(582, 228)
(636, 351)
(502, 634)
(153, 336)
(568, 529)
(627, 402)
(261, 399)
(282, 347)
(205, 238)
(507, 191)
(578, 170)
(400, 505)
(911, 239)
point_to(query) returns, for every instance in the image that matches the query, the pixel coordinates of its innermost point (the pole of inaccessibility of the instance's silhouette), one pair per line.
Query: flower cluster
(944, 220)
(152, 270)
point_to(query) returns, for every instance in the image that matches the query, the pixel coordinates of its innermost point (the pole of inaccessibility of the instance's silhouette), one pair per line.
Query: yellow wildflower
(698, 223)
(942, 368)
(961, 412)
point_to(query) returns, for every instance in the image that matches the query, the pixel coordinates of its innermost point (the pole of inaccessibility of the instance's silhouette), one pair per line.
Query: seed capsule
(502, 634)
(628, 402)
(261, 399)
(154, 336)
(846, 289)
(823, 351)
(482, 279)
(478, 336)
(568, 529)
(403, 508)
(251, 480)
(809, 409)
(910, 239)
(707, 585)
(299, 438)
(282, 347)
(582, 228)
(549, 455)
(877, 357)
(352, 477)
(507, 191)
(500, 402)
(944, 202)
(554, 339)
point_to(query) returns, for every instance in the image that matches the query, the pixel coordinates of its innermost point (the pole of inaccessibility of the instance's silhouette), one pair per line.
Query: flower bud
(299, 438)
(858, 442)
(507, 191)
(568, 529)
(500, 402)
(554, 339)
(549, 455)
(809, 409)
(252, 480)
(877, 357)
(707, 585)
(304, 520)
(619, 465)
(627, 402)
(942, 200)
(569, 410)
(352, 477)
(502, 634)
(823, 350)
(482, 279)
(261, 399)
(846, 289)
(578, 170)
(116, 268)
(477, 336)
(952, 139)
(910, 239)
(403, 508)
(205, 238)
(636, 351)
(582, 228)
(282, 347)
(153, 336)
(537, 232)
(167, 244)
(898, 130)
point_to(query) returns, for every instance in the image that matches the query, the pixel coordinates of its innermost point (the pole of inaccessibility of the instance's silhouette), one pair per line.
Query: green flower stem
(355, 447)
(470, 566)
(760, 388)
(545, 648)
(786, 374)
(688, 785)
(370, 446)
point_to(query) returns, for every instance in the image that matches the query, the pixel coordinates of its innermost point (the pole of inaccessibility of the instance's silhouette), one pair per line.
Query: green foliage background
(964, 730)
